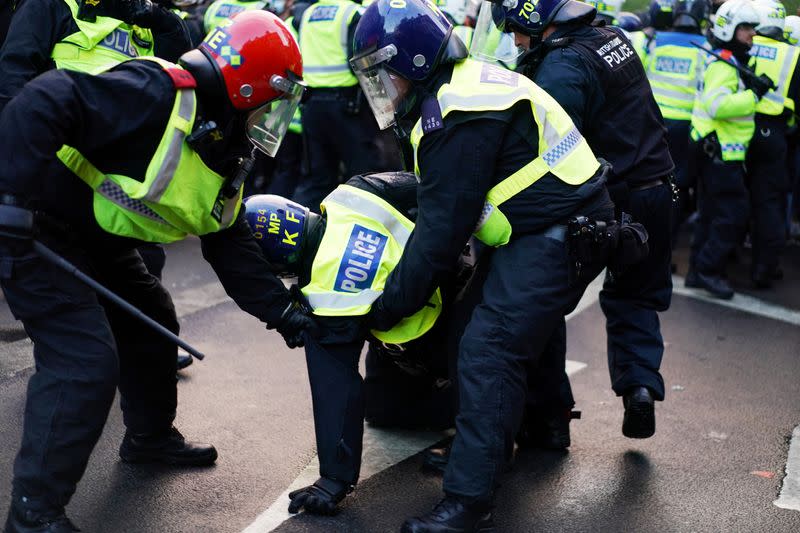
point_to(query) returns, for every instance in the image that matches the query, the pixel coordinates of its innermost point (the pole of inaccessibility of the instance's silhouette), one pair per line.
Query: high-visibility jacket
(478, 86)
(465, 34)
(179, 195)
(220, 11)
(778, 61)
(296, 125)
(100, 45)
(724, 106)
(363, 242)
(641, 44)
(675, 71)
(323, 43)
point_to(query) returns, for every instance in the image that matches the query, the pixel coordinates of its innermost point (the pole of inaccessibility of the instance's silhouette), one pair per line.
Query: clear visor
(383, 89)
(492, 40)
(267, 125)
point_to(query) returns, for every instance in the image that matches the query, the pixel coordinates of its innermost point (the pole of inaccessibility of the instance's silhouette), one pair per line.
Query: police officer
(516, 194)
(598, 79)
(766, 162)
(352, 246)
(221, 10)
(48, 34)
(120, 180)
(338, 128)
(722, 126)
(675, 70)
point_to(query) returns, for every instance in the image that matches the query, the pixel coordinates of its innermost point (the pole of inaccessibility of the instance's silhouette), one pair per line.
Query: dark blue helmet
(418, 31)
(661, 13)
(531, 18)
(691, 13)
(629, 22)
(280, 227)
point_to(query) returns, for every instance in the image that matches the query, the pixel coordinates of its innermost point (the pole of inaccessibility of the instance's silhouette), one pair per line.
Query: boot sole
(639, 421)
(135, 458)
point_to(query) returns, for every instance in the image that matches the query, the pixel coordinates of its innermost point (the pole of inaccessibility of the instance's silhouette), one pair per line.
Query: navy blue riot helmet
(531, 18)
(281, 228)
(397, 44)
(629, 22)
(661, 13)
(690, 14)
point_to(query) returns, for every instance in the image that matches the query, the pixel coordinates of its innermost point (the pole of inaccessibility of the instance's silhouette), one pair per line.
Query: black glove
(321, 498)
(294, 323)
(379, 318)
(143, 13)
(760, 85)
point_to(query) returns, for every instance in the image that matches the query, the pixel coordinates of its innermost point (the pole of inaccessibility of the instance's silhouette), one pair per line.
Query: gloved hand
(760, 85)
(143, 13)
(379, 318)
(296, 320)
(321, 498)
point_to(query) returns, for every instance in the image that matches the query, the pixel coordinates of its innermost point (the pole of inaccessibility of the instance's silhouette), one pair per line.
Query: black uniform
(611, 103)
(40, 24)
(83, 348)
(527, 290)
(6, 10)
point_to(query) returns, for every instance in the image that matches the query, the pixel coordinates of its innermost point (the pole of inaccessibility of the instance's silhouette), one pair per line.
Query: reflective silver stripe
(669, 93)
(494, 101)
(345, 23)
(773, 96)
(342, 300)
(714, 107)
(326, 68)
(172, 158)
(563, 148)
(700, 113)
(371, 210)
(678, 82)
(114, 193)
(228, 210)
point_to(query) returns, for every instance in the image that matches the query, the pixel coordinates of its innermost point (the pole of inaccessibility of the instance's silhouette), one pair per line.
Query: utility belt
(352, 96)
(618, 244)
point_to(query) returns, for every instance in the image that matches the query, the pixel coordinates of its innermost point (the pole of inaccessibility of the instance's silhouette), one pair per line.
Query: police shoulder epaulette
(181, 79)
(431, 115)
(560, 42)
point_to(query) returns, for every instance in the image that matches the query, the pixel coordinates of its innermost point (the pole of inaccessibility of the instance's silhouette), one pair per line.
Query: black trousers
(335, 138)
(527, 292)
(632, 300)
(769, 185)
(84, 348)
(724, 211)
(685, 180)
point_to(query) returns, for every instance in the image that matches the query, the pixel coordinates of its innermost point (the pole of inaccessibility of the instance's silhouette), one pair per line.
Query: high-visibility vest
(179, 195)
(363, 242)
(778, 61)
(675, 71)
(726, 107)
(220, 11)
(323, 43)
(641, 45)
(296, 125)
(100, 45)
(476, 86)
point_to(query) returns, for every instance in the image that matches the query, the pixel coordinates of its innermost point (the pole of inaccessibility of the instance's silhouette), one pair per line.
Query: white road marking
(740, 302)
(789, 497)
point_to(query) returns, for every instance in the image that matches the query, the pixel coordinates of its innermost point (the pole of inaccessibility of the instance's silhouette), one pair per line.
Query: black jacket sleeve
(563, 75)
(245, 273)
(457, 167)
(172, 39)
(37, 26)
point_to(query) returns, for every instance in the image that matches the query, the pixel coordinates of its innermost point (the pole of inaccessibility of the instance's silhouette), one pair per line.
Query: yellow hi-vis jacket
(476, 86)
(778, 61)
(179, 195)
(323, 43)
(363, 242)
(100, 45)
(675, 71)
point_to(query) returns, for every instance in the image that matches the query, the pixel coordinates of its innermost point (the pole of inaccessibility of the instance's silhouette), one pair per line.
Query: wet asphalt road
(715, 464)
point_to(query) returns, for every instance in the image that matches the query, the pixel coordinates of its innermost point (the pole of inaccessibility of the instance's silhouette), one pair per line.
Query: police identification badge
(431, 115)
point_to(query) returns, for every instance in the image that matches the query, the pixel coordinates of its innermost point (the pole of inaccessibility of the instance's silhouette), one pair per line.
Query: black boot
(546, 430)
(24, 520)
(168, 447)
(452, 516)
(639, 421)
(321, 498)
(184, 360)
(716, 285)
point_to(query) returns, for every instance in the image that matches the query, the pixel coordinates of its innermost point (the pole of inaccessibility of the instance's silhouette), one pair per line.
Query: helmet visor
(493, 40)
(383, 88)
(267, 125)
